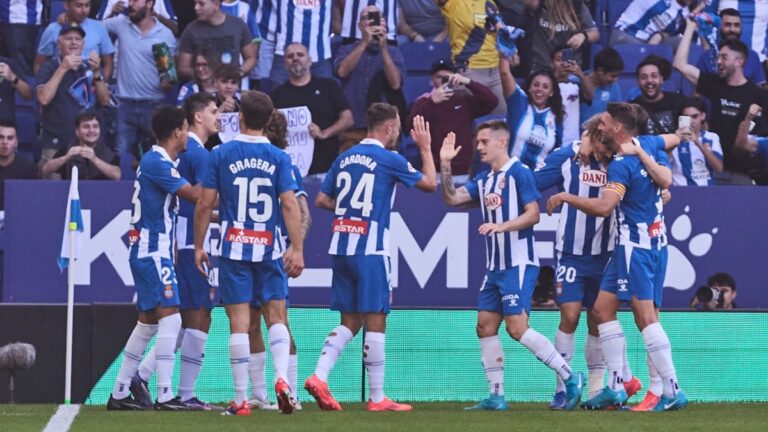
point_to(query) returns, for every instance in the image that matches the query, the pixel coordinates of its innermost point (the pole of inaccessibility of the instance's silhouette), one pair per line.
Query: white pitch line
(62, 420)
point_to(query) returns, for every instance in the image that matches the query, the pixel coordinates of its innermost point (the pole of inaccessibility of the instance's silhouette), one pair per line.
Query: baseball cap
(442, 64)
(72, 26)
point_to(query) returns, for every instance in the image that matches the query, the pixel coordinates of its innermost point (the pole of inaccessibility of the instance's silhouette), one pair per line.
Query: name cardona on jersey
(358, 159)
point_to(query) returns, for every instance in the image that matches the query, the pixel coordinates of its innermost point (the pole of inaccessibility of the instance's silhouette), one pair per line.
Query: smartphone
(684, 122)
(568, 55)
(374, 18)
(445, 80)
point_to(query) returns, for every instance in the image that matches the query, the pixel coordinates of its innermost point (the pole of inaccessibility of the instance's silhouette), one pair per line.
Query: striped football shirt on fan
(307, 22)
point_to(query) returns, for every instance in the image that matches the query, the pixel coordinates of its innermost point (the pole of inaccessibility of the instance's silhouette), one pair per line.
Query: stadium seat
(57, 8)
(614, 10)
(416, 85)
(633, 54)
(601, 19)
(26, 123)
(419, 56)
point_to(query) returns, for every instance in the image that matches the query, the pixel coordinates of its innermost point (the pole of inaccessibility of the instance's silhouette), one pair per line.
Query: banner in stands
(438, 257)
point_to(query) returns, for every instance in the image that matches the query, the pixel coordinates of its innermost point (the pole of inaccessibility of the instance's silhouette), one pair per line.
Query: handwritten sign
(229, 126)
(301, 145)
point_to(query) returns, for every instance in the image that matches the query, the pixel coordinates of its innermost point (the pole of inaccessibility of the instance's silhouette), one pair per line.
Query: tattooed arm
(452, 196)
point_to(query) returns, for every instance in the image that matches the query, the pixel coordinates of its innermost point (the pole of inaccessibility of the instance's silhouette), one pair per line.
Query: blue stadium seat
(416, 85)
(26, 125)
(57, 8)
(419, 56)
(601, 19)
(633, 54)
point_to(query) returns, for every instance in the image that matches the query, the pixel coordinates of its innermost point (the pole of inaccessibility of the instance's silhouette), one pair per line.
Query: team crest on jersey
(502, 183)
(349, 226)
(133, 236)
(493, 201)
(594, 178)
(559, 288)
(538, 136)
(168, 293)
(175, 173)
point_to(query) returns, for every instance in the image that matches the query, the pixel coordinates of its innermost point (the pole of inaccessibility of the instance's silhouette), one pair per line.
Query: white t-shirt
(571, 128)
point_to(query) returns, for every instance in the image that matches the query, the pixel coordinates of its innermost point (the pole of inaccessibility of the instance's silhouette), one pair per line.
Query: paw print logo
(681, 275)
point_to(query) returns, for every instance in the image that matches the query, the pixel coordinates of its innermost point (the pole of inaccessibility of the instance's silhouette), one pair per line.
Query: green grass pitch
(425, 417)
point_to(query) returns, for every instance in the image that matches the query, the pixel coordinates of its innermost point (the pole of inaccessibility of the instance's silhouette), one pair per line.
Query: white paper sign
(301, 145)
(229, 126)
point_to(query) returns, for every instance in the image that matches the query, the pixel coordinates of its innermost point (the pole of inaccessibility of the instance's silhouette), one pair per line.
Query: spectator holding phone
(572, 82)
(699, 155)
(606, 68)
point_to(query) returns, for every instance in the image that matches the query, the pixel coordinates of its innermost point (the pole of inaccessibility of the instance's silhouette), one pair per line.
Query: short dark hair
(665, 67)
(494, 125)
(228, 71)
(277, 129)
(196, 103)
(624, 113)
(693, 102)
(8, 124)
(736, 45)
(84, 117)
(722, 279)
(165, 120)
(730, 12)
(256, 108)
(378, 113)
(609, 60)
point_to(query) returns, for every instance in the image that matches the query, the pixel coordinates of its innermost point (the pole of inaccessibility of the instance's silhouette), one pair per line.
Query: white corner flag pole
(72, 227)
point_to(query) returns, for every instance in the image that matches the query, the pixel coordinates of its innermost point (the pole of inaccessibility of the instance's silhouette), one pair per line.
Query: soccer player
(194, 290)
(508, 197)
(359, 190)
(252, 180)
(151, 236)
(636, 269)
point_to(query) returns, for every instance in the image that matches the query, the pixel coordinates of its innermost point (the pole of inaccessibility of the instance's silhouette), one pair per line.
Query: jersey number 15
(248, 193)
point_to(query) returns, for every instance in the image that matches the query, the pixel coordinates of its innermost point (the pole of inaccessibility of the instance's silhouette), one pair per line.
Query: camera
(705, 295)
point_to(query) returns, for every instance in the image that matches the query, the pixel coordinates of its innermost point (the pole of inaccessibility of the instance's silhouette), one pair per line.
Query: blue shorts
(577, 277)
(508, 292)
(361, 284)
(634, 272)
(245, 281)
(155, 281)
(194, 289)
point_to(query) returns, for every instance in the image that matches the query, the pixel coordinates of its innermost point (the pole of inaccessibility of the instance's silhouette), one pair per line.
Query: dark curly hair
(276, 129)
(555, 102)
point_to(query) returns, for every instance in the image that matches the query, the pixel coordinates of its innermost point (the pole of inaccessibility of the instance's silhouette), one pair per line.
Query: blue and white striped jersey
(352, 10)
(503, 196)
(640, 218)
(643, 18)
(242, 10)
(577, 232)
(296, 173)
(534, 133)
(266, 14)
(250, 174)
(164, 8)
(754, 22)
(21, 11)
(689, 166)
(192, 166)
(307, 22)
(362, 179)
(155, 204)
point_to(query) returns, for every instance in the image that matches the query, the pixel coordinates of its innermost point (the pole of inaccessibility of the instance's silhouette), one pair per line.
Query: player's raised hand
(420, 132)
(554, 202)
(293, 261)
(449, 150)
(202, 262)
(489, 228)
(630, 148)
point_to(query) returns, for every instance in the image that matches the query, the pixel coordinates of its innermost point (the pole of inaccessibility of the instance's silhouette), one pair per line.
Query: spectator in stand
(370, 71)
(12, 166)
(604, 77)
(227, 96)
(752, 145)
(311, 24)
(266, 16)
(351, 32)
(242, 9)
(731, 95)
(535, 116)
(96, 41)
(653, 22)
(421, 21)
(561, 23)
(10, 83)
(730, 29)
(572, 82)
(162, 10)
(140, 89)
(699, 155)
(205, 77)
(754, 16)
(19, 24)
(226, 35)
(88, 152)
(324, 99)
(523, 14)
(65, 87)
(452, 105)
(662, 106)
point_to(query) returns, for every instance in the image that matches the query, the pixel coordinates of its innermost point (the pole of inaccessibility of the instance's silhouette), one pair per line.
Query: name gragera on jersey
(252, 163)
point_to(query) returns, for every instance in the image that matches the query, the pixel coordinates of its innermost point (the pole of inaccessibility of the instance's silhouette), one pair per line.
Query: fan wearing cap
(66, 86)
(452, 105)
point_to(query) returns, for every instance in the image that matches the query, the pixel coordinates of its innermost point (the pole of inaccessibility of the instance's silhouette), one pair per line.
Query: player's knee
(516, 331)
(354, 322)
(485, 329)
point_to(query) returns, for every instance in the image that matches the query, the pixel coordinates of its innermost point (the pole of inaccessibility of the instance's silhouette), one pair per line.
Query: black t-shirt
(21, 169)
(86, 169)
(662, 115)
(729, 107)
(325, 100)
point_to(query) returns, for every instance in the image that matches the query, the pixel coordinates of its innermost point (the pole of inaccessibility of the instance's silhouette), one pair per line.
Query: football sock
(658, 348)
(334, 345)
(656, 386)
(373, 358)
(543, 349)
(564, 344)
(293, 374)
(134, 349)
(167, 334)
(280, 348)
(239, 356)
(593, 354)
(257, 370)
(192, 353)
(626, 372)
(492, 355)
(148, 365)
(612, 340)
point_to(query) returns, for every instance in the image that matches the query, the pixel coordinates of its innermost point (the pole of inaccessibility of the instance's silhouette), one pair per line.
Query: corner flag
(73, 224)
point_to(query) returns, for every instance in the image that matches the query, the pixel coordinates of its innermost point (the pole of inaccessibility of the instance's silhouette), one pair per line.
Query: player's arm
(203, 209)
(423, 139)
(294, 256)
(508, 83)
(189, 192)
(670, 141)
(660, 174)
(306, 217)
(325, 202)
(689, 71)
(452, 196)
(529, 218)
(601, 206)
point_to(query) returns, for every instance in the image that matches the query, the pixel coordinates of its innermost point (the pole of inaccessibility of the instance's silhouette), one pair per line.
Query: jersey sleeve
(717, 148)
(165, 176)
(517, 104)
(403, 171)
(199, 162)
(299, 181)
(551, 173)
(285, 180)
(211, 174)
(619, 177)
(473, 189)
(526, 185)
